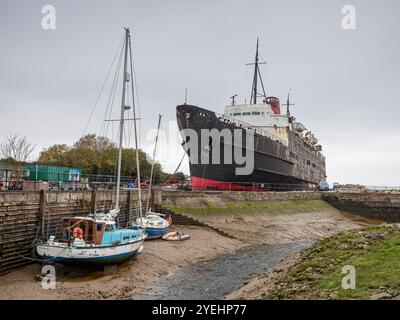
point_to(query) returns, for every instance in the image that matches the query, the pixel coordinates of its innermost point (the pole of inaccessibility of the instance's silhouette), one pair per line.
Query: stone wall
(168, 198)
(371, 204)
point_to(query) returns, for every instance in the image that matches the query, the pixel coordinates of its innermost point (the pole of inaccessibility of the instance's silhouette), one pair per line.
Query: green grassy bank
(206, 208)
(375, 254)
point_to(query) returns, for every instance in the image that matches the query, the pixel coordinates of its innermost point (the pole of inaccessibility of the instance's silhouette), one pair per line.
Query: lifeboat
(299, 127)
(176, 236)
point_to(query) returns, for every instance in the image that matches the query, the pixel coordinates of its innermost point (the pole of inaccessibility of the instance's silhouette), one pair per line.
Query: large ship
(286, 155)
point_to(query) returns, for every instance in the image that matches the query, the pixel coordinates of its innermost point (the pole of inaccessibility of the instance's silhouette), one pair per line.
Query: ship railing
(103, 182)
(248, 126)
(312, 147)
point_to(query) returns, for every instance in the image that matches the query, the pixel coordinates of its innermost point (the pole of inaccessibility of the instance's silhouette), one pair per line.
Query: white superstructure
(263, 116)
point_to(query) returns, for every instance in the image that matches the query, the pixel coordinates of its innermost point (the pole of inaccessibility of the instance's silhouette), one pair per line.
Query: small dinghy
(176, 236)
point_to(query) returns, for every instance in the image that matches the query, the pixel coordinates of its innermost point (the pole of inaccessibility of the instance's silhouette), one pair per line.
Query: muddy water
(214, 279)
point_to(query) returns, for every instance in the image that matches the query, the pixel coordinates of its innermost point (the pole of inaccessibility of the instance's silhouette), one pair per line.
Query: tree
(180, 176)
(177, 177)
(94, 155)
(98, 156)
(16, 147)
(55, 155)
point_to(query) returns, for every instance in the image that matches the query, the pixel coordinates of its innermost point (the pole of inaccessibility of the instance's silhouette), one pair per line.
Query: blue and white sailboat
(100, 241)
(96, 238)
(155, 224)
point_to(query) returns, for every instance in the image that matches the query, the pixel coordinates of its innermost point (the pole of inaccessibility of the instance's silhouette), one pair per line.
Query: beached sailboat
(96, 238)
(154, 223)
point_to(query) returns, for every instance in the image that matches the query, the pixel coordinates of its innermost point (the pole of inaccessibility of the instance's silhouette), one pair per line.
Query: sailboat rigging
(97, 238)
(155, 224)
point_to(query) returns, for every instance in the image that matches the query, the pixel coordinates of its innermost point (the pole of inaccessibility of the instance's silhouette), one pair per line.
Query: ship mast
(288, 104)
(254, 89)
(257, 74)
(121, 122)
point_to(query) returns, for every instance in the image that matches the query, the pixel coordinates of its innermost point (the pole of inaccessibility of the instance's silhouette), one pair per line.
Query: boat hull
(276, 166)
(154, 225)
(95, 255)
(155, 233)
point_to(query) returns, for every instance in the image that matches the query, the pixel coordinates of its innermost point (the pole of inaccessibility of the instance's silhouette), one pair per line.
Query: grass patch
(374, 252)
(244, 207)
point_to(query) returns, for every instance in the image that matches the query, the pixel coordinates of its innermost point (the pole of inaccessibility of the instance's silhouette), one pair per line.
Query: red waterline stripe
(203, 183)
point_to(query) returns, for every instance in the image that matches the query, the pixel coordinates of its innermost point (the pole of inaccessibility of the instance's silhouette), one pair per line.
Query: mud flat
(159, 258)
(271, 227)
(215, 278)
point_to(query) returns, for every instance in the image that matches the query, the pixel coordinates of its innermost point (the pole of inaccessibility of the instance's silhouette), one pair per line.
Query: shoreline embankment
(252, 219)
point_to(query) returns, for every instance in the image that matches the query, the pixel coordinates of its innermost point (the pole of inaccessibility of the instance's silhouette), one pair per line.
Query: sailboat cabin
(84, 228)
(96, 232)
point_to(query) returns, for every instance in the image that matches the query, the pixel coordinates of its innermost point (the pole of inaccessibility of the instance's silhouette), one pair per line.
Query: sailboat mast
(135, 131)
(121, 125)
(152, 165)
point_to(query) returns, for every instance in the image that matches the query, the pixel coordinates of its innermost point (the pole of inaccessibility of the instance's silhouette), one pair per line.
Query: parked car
(323, 186)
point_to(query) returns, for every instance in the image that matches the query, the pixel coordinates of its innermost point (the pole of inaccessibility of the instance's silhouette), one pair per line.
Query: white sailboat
(96, 238)
(154, 223)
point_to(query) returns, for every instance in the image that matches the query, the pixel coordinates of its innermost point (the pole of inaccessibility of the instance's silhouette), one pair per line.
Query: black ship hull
(276, 166)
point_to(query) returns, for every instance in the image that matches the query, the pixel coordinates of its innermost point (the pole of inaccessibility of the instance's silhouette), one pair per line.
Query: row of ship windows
(129, 237)
(253, 113)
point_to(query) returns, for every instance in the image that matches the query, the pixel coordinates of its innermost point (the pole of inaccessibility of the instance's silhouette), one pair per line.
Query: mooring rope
(34, 259)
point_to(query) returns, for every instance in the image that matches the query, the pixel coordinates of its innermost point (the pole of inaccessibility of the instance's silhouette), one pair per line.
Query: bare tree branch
(16, 147)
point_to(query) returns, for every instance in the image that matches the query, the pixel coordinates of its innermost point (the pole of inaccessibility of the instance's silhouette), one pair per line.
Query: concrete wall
(378, 205)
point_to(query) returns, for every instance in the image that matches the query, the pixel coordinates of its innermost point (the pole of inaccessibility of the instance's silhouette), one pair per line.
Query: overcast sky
(345, 83)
